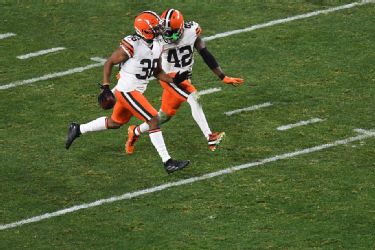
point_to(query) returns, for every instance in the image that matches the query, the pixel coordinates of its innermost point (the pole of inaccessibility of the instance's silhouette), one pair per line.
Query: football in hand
(106, 99)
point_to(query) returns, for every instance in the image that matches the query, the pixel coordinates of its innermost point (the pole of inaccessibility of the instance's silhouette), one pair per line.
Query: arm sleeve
(208, 58)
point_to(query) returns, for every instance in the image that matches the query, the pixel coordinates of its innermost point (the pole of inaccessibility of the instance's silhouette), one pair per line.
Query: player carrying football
(139, 56)
(181, 38)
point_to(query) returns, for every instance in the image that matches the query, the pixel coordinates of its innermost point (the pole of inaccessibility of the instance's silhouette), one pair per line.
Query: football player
(180, 39)
(138, 56)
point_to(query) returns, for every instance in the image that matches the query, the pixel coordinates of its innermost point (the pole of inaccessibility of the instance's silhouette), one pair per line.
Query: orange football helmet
(147, 25)
(173, 25)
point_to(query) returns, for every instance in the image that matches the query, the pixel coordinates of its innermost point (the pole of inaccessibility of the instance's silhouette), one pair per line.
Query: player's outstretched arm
(211, 62)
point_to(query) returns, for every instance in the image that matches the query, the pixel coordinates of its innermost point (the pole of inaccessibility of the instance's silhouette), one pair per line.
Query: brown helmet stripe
(168, 17)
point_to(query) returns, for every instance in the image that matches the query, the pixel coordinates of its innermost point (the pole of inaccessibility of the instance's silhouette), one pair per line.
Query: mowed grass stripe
(219, 35)
(364, 134)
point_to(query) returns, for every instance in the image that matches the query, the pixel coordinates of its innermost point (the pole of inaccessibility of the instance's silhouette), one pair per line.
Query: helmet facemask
(173, 24)
(172, 36)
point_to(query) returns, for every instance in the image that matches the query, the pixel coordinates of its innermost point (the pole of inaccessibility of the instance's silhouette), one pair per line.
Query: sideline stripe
(251, 108)
(6, 35)
(39, 53)
(229, 33)
(301, 123)
(127, 196)
(50, 76)
(288, 19)
(209, 91)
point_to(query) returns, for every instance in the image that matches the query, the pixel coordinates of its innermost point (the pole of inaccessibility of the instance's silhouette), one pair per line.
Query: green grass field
(317, 67)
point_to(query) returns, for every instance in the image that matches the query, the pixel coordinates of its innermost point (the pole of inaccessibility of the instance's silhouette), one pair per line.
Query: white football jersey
(179, 56)
(138, 70)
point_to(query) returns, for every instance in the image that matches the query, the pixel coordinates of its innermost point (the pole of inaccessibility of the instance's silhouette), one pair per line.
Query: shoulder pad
(193, 25)
(128, 44)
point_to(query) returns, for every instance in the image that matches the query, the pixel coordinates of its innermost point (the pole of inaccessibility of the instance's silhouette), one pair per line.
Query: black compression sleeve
(208, 58)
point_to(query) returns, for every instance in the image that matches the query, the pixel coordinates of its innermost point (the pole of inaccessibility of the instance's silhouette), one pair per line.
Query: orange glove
(118, 76)
(232, 80)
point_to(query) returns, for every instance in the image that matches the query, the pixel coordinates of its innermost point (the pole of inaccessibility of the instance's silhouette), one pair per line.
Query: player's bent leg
(157, 139)
(76, 129)
(134, 132)
(111, 124)
(120, 115)
(213, 138)
(142, 109)
(156, 136)
(198, 114)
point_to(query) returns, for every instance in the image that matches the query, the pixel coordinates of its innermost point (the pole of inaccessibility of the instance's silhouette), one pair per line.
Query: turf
(316, 67)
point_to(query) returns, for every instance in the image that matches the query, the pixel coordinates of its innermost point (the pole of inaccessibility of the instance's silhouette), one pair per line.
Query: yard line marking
(251, 108)
(50, 76)
(301, 123)
(228, 33)
(209, 91)
(39, 53)
(363, 131)
(98, 59)
(6, 35)
(288, 19)
(130, 195)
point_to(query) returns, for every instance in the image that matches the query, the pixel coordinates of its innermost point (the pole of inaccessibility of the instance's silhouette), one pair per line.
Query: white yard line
(286, 20)
(209, 91)
(50, 76)
(364, 131)
(98, 59)
(127, 196)
(301, 123)
(40, 52)
(229, 33)
(251, 108)
(6, 35)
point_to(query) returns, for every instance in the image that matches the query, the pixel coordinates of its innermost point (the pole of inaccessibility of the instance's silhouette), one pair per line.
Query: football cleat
(73, 133)
(174, 165)
(132, 139)
(214, 140)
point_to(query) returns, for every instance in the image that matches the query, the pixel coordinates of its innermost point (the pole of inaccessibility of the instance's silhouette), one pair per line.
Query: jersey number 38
(148, 69)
